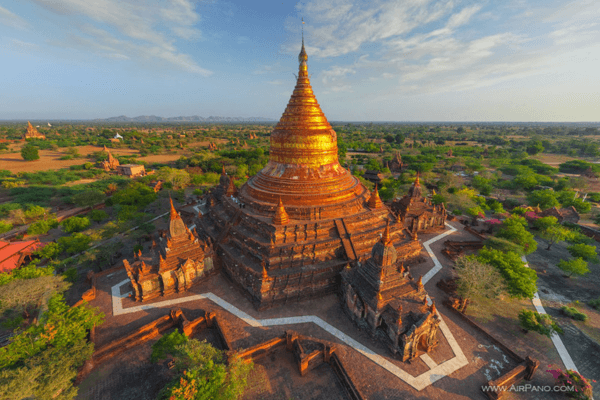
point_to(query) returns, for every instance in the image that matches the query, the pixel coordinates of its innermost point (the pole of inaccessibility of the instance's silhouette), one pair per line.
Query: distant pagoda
(32, 133)
(286, 234)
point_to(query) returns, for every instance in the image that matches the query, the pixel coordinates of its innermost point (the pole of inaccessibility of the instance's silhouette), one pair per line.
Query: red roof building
(12, 254)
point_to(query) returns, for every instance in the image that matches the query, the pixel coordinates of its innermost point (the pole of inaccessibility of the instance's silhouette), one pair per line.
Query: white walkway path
(560, 347)
(435, 373)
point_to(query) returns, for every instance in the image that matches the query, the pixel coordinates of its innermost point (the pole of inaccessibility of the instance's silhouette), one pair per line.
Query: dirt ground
(581, 339)
(553, 159)
(50, 159)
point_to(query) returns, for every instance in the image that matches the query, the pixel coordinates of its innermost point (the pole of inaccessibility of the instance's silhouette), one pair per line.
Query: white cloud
(129, 29)
(12, 20)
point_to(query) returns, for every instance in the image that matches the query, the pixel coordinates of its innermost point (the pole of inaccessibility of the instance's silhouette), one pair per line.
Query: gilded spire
(303, 135)
(420, 282)
(281, 217)
(417, 181)
(374, 201)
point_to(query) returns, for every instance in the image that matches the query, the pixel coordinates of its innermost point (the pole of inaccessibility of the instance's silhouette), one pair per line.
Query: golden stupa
(303, 217)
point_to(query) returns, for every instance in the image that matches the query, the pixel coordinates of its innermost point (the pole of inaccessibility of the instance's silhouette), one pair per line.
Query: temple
(111, 163)
(287, 233)
(32, 133)
(382, 296)
(417, 212)
(174, 265)
(396, 165)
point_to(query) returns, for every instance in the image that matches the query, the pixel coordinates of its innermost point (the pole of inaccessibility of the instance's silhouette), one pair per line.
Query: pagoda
(32, 133)
(286, 234)
(382, 296)
(175, 264)
(417, 212)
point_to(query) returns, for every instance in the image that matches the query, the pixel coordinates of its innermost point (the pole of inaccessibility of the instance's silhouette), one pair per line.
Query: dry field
(553, 159)
(50, 159)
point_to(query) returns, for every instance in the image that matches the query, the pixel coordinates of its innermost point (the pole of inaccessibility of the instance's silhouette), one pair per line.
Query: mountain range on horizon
(193, 118)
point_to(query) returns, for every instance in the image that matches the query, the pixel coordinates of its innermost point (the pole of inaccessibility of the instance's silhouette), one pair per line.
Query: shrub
(98, 215)
(577, 266)
(42, 227)
(595, 304)
(570, 379)
(34, 212)
(89, 198)
(75, 243)
(540, 323)
(71, 275)
(75, 224)
(5, 226)
(30, 153)
(205, 374)
(167, 345)
(573, 313)
(50, 250)
(587, 252)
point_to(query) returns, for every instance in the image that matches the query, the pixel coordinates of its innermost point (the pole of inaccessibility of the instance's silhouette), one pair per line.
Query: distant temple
(417, 212)
(174, 265)
(382, 296)
(396, 165)
(111, 164)
(32, 133)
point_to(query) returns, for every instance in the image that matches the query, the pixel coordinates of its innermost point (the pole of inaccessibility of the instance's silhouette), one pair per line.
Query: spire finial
(385, 238)
(173, 211)
(302, 57)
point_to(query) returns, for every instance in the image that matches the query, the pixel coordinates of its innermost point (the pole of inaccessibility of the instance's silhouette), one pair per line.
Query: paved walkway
(435, 373)
(560, 347)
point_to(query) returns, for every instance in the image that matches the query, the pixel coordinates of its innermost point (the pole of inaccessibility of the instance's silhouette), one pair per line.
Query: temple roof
(12, 253)
(303, 167)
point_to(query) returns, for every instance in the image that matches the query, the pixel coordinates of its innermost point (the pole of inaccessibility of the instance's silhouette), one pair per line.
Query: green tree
(42, 227)
(206, 374)
(534, 147)
(30, 153)
(89, 198)
(554, 234)
(5, 226)
(476, 279)
(41, 362)
(544, 198)
(98, 215)
(584, 251)
(50, 250)
(178, 178)
(76, 243)
(521, 281)
(577, 266)
(513, 229)
(136, 194)
(76, 224)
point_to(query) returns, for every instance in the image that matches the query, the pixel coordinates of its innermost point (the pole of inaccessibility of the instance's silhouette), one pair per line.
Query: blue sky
(373, 60)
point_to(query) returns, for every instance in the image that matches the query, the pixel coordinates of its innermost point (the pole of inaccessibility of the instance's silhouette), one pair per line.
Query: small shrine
(175, 264)
(417, 212)
(382, 297)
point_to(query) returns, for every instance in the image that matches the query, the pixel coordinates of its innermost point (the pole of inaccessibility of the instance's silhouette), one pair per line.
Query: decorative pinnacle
(265, 275)
(385, 239)
(433, 309)
(302, 56)
(174, 214)
(420, 282)
(417, 181)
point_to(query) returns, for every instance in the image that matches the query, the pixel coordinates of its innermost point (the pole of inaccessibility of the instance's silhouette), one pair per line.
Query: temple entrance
(422, 344)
